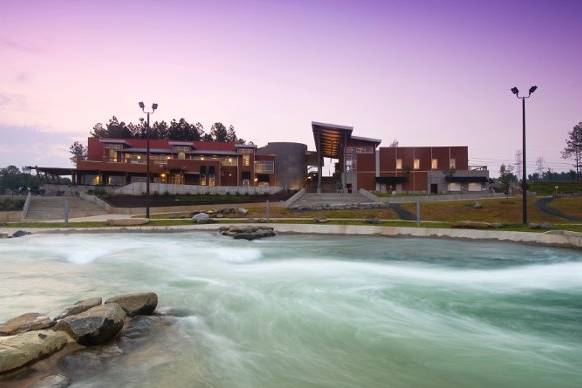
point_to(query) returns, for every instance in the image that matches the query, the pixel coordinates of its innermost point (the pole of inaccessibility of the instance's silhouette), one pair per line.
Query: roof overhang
(330, 138)
(54, 170)
(116, 141)
(368, 139)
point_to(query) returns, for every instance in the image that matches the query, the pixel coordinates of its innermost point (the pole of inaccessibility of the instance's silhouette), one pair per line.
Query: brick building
(360, 163)
(122, 161)
(363, 164)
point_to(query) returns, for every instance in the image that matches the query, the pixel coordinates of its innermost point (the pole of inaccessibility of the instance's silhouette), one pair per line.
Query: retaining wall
(139, 188)
(565, 239)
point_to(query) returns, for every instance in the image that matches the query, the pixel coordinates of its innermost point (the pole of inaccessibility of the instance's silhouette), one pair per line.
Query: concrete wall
(139, 188)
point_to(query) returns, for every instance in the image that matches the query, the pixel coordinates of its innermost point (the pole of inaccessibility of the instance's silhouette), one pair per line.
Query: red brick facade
(122, 161)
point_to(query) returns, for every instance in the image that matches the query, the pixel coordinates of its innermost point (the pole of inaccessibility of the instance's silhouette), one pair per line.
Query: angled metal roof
(330, 138)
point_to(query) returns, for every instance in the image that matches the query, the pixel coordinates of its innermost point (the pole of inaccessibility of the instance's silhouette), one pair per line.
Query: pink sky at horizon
(425, 73)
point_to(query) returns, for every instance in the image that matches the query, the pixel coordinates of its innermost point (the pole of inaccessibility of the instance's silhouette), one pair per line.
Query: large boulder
(20, 233)
(25, 322)
(94, 326)
(242, 211)
(24, 348)
(201, 218)
(247, 232)
(136, 304)
(79, 307)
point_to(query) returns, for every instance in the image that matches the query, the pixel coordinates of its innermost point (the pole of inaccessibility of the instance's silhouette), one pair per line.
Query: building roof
(330, 138)
(371, 140)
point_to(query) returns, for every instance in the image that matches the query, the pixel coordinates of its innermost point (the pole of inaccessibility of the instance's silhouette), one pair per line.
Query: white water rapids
(320, 311)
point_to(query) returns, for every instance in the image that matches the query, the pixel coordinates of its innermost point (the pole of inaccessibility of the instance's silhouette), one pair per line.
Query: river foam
(297, 311)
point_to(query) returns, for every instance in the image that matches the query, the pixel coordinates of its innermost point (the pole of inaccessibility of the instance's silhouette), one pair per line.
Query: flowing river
(320, 311)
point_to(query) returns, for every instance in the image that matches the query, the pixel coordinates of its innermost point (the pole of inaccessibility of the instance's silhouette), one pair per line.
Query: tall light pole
(515, 91)
(154, 107)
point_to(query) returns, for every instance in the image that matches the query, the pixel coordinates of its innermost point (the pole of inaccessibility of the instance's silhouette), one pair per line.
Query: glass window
(264, 167)
(229, 161)
(181, 155)
(246, 160)
(417, 164)
(453, 164)
(399, 164)
(434, 164)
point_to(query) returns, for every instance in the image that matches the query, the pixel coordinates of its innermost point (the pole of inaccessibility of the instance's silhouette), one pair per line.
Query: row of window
(263, 167)
(434, 164)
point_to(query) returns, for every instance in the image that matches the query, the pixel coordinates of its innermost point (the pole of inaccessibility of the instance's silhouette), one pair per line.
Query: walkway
(543, 204)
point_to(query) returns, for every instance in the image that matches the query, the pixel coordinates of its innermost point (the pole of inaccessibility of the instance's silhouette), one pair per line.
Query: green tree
(113, 129)
(506, 177)
(11, 178)
(219, 133)
(573, 149)
(78, 151)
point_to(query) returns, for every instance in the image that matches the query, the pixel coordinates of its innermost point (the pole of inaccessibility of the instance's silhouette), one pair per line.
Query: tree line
(174, 130)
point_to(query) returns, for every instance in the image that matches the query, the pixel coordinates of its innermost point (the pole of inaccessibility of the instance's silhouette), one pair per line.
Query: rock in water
(94, 326)
(201, 218)
(25, 322)
(136, 304)
(79, 307)
(20, 233)
(247, 232)
(24, 348)
(53, 381)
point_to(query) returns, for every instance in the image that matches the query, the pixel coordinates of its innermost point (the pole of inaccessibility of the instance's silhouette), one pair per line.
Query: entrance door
(434, 188)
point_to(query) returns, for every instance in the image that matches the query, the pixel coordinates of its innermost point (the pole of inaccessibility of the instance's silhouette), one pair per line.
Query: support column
(319, 163)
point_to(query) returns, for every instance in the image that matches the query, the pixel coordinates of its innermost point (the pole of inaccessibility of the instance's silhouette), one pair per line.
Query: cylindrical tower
(290, 163)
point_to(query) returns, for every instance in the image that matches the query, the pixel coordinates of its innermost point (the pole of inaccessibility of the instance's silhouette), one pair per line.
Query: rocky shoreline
(40, 352)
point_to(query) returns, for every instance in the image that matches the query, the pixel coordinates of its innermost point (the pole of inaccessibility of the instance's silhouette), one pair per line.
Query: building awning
(54, 170)
(330, 138)
(391, 179)
(466, 179)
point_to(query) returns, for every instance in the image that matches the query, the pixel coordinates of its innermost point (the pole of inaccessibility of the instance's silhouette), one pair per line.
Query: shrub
(9, 204)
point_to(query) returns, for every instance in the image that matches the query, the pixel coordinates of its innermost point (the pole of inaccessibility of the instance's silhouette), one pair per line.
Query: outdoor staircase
(53, 208)
(331, 200)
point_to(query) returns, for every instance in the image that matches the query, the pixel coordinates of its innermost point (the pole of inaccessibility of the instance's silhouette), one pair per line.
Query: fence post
(66, 211)
(417, 211)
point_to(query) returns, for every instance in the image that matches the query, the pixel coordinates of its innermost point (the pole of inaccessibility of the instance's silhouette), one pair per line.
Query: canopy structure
(330, 139)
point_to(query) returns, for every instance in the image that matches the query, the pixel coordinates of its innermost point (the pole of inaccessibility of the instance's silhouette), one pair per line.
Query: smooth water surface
(313, 311)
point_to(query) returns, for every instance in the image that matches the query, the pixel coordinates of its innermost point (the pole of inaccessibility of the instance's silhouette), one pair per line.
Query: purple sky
(422, 72)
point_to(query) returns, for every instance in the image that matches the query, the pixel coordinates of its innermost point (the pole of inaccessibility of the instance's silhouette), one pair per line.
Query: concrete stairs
(53, 208)
(332, 200)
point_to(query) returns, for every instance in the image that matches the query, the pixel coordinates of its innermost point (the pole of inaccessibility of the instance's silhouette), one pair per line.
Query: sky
(421, 72)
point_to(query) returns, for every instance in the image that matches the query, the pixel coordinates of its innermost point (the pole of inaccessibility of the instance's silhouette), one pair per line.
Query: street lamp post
(154, 107)
(515, 91)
